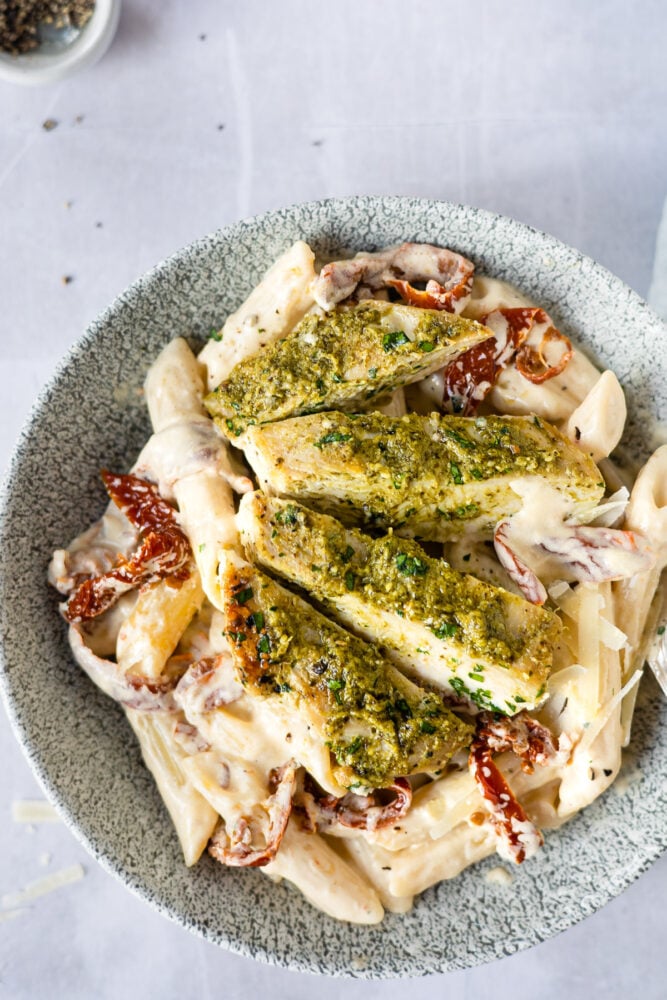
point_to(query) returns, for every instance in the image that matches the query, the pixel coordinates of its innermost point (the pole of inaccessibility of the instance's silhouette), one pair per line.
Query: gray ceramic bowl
(91, 414)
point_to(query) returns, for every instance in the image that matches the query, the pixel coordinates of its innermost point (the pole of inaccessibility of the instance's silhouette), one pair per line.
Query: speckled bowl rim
(81, 827)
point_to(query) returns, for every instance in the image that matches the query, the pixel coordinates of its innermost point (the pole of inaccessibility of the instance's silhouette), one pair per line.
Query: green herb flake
(411, 565)
(215, 335)
(391, 341)
(333, 437)
(456, 473)
(459, 438)
(661, 630)
(372, 373)
(427, 727)
(238, 637)
(202, 546)
(287, 516)
(264, 644)
(426, 346)
(347, 554)
(446, 630)
(335, 686)
(403, 707)
(350, 580)
(256, 619)
(244, 596)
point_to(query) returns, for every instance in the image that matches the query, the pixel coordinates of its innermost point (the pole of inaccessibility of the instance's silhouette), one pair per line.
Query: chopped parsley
(238, 637)
(411, 565)
(350, 580)
(335, 687)
(426, 346)
(215, 334)
(427, 727)
(459, 438)
(456, 473)
(264, 644)
(372, 373)
(256, 619)
(333, 437)
(391, 341)
(287, 516)
(446, 630)
(347, 554)
(243, 596)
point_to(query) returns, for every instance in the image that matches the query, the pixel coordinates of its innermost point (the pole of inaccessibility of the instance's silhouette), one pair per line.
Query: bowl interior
(92, 414)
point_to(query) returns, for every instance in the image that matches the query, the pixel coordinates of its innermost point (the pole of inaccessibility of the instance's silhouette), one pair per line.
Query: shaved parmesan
(498, 876)
(34, 811)
(611, 636)
(603, 718)
(43, 886)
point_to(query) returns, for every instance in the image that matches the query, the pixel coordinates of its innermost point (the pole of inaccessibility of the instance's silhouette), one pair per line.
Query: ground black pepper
(20, 20)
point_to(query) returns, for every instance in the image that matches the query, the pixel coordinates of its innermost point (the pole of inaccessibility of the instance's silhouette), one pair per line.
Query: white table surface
(551, 113)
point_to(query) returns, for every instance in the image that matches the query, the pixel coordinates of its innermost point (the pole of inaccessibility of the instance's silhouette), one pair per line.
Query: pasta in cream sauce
(236, 771)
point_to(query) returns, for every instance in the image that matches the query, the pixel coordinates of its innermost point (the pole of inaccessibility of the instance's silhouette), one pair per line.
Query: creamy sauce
(213, 752)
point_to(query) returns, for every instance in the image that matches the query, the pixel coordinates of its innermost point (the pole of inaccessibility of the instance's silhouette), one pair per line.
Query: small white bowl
(68, 51)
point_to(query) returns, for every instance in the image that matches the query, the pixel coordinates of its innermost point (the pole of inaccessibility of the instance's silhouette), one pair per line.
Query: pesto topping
(466, 630)
(340, 359)
(434, 477)
(377, 724)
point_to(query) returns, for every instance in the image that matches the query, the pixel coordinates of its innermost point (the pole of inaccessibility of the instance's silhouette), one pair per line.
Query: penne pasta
(265, 725)
(325, 879)
(272, 309)
(193, 818)
(151, 632)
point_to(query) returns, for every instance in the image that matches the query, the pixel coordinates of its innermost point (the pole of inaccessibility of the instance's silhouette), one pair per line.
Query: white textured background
(551, 113)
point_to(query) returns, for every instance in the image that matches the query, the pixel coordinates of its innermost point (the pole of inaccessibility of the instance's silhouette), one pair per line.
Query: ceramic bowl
(92, 414)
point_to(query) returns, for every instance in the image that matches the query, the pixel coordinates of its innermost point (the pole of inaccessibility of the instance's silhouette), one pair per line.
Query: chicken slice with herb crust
(433, 477)
(477, 642)
(376, 722)
(340, 359)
